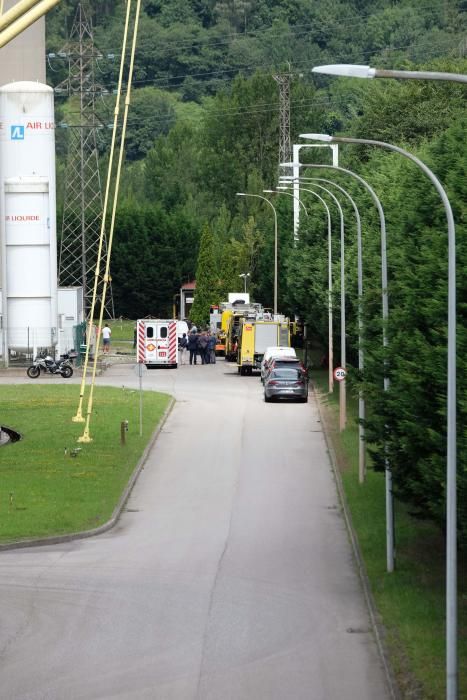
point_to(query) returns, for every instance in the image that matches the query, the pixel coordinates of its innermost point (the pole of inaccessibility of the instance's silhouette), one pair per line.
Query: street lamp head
(318, 137)
(348, 70)
(269, 191)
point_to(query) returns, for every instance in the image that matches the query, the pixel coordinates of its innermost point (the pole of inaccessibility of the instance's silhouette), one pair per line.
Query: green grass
(121, 330)
(44, 491)
(411, 600)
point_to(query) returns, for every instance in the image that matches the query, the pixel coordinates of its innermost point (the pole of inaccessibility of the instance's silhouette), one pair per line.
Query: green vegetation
(47, 491)
(410, 601)
(205, 125)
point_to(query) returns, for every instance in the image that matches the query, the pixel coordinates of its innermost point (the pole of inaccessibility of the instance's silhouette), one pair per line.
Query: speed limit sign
(340, 374)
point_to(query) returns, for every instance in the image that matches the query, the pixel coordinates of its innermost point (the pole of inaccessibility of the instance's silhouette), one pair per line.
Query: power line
(448, 43)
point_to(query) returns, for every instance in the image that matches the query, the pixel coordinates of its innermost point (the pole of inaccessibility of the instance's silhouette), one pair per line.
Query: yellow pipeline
(86, 437)
(16, 11)
(79, 415)
(15, 27)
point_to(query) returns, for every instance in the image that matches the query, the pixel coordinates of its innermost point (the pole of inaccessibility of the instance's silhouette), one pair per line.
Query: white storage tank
(27, 216)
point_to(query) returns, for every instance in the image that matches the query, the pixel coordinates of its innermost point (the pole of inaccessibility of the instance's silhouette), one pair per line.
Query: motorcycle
(46, 363)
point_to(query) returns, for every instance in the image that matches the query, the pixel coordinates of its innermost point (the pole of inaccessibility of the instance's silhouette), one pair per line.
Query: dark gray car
(286, 383)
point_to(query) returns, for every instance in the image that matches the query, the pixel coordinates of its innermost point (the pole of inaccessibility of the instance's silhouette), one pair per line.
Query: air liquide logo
(17, 132)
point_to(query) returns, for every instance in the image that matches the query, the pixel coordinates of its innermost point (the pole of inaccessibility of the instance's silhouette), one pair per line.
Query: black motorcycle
(46, 363)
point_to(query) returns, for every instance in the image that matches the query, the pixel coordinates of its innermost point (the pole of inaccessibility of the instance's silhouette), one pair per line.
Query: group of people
(202, 345)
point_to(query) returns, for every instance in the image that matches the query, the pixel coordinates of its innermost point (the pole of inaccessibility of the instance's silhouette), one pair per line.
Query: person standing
(212, 341)
(106, 333)
(193, 347)
(203, 347)
(182, 345)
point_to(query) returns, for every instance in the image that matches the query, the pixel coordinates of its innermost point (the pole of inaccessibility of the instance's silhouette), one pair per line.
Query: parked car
(275, 351)
(283, 361)
(286, 383)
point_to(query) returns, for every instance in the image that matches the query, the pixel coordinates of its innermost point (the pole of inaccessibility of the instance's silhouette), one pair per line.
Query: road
(228, 577)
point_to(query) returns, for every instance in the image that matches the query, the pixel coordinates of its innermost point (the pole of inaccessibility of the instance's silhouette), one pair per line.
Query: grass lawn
(121, 341)
(44, 490)
(410, 601)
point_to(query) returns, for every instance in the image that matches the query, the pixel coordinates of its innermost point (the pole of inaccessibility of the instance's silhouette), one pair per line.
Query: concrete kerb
(58, 539)
(378, 629)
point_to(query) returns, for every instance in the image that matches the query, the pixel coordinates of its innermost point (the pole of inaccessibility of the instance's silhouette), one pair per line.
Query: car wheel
(267, 399)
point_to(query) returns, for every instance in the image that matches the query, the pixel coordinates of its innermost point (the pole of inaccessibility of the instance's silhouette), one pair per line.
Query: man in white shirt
(106, 333)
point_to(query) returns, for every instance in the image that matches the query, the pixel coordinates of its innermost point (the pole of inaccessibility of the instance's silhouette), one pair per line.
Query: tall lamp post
(451, 465)
(361, 354)
(343, 359)
(260, 196)
(330, 321)
(385, 314)
(245, 276)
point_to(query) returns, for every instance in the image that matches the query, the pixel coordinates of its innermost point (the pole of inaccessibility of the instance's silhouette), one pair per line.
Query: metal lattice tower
(285, 147)
(82, 208)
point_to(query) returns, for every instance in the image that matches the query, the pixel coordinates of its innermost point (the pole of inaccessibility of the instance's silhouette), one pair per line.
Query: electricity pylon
(285, 147)
(82, 207)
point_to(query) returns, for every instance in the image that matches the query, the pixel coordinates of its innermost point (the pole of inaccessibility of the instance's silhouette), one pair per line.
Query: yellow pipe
(78, 418)
(15, 28)
(16, 11)
(86, 437)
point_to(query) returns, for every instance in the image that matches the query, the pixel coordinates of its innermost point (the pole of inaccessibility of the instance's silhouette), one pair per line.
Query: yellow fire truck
(257, 335)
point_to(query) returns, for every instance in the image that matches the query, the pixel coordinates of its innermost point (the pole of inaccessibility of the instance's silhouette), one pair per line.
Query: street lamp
(385, 313)
(350, 70)
(330, 320)
(361, 356)
(342, 385)
(245, 275)
(259, 196)
(451, 462)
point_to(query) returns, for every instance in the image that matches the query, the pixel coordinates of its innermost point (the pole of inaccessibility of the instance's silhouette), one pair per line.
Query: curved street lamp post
(385, 315)
(361, 355)
(259, 196)
(451, 462)
(330, 323)
(343, 359)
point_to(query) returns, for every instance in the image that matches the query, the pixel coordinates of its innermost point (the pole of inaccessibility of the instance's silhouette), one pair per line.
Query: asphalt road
(229, 576)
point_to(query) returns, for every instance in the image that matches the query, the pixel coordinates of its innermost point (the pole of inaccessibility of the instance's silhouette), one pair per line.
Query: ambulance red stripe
(173, 343)
(141, 339)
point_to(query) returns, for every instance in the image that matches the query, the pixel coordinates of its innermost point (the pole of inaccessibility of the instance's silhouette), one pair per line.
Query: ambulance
(157, 342)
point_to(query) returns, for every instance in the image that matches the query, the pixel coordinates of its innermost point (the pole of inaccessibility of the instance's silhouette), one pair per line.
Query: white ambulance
(157, 342)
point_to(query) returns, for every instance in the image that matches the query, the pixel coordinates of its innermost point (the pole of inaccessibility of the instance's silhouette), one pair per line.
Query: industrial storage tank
(28, 217)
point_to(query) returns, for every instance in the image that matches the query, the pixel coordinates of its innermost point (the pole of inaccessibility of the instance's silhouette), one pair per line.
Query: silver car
(286, 383)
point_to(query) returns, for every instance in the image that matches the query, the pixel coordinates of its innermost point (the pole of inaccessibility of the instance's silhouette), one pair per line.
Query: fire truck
(257, 335)
(157, 342)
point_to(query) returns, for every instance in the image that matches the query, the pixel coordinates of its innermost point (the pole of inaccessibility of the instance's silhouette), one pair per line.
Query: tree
(207, 280)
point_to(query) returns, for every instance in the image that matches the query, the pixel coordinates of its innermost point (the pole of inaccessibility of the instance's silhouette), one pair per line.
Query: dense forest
(204, 125)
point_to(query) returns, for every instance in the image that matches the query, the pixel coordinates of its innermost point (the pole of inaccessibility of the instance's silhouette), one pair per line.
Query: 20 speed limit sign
(340, 374)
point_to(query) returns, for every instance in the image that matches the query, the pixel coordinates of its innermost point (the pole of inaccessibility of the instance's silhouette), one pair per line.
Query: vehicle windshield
(285, 373)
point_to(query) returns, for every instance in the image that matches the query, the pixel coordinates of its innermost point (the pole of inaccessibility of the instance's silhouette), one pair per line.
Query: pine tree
(206, 279)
